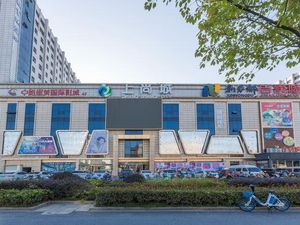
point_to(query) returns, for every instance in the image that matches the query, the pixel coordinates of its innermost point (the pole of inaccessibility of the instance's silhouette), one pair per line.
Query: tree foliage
(242, 36)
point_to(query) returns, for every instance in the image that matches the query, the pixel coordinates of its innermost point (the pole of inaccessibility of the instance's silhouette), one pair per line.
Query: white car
(98, 175)
(147, 174)
(246, 170)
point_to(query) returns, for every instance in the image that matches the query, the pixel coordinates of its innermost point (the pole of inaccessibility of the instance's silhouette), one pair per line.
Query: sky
(117, 41)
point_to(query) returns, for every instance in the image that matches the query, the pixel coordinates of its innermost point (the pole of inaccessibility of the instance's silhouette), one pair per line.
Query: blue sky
(109, 41)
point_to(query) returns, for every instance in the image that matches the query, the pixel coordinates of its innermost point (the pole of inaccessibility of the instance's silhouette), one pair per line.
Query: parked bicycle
(249, 201)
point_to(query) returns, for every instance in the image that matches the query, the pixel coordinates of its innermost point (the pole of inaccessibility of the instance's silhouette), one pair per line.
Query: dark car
(125, 173)
(270, 172)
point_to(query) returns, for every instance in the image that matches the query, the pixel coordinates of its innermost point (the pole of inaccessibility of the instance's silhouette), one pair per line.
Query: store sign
(225, 145)
(36, 145)
(295, 149)
(241, 90)
(71, 142)
(168, 143)
(211, 90)
(104, 91)
(277, 114)
(98, 144)
(193, 142)
(59, 166)
(10, 142)
(250, 138)
(291, 90)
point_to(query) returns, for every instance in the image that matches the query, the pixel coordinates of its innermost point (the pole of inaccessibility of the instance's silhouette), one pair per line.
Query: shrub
(62, 185)
(23, 198)
(134, 178)
(264, 182)
(144, 197)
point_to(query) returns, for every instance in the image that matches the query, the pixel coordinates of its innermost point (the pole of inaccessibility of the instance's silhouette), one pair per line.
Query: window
(34, 49)
(171, 116)
(133, 148)
(29, 119)
(11, 116)
(35, 31)
(60, 119)
(32, 79)
(42, 50)
(41, 58)
(33, 59)
(40, 76)
(33, 69)
(96, 118)
(51, 81)
(40, 67)
(206, 117)
(42, 40)
(35, 41)
(46, 66)
(234, 118)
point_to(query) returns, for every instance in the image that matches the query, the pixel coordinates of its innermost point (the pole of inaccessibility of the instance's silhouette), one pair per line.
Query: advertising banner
(250, 138)
(279, 138)
(10, 141)
(205, 166)
(71, 142)
(277, 114)
(59, 166)
(98, 144)
(225, 144)
(35, 145)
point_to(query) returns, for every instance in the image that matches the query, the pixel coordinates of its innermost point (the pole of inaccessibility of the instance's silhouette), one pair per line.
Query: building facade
(30, 53)
(293, 79)
(148, 126)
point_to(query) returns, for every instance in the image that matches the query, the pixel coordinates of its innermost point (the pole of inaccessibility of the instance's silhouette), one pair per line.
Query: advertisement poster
(71, 142)
(277, 114)
(98, 144)
(35, 145)
(59, 167)
(204, 166)
(279, 138)
(10, 141)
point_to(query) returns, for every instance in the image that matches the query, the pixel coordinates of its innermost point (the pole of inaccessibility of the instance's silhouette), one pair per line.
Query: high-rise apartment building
(29, 52)
(293, 79)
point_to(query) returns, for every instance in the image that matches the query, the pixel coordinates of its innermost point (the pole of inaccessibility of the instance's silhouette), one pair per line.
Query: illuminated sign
(104, 91)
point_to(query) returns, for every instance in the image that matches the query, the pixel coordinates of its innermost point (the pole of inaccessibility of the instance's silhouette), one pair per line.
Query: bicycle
(249, 201)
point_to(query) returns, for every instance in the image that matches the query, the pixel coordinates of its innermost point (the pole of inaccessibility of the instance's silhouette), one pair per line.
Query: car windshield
(254, 169)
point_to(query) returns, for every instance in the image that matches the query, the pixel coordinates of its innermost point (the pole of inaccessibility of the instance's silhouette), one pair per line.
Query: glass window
(133, 132)
(206, 117)
(234, 118)
(171, 116)
(60, 119)
(29, 119)
(11, 116)
(96, 118)
(133, 148)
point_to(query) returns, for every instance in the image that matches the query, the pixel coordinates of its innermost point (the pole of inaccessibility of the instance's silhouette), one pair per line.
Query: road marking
(64, 208)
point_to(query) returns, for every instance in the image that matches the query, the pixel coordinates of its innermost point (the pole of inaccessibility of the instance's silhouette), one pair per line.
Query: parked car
(169, 174)
(199, 174)
(147, 174)
(83, 174)
(296, 172)
(32, 176)
(270, 172)
(213, 174)
(125, 173)
(44, 175)
(98, 174)
(226, 173)
(246, 170)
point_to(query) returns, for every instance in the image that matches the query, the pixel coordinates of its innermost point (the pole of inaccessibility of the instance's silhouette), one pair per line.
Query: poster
(71, 142)
(278, 138)
(98, 144)
(35, 145)
(277, 114)
(59, 167)
(10, 141)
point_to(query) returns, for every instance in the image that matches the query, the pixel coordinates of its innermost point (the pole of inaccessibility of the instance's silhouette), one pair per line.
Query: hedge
(23, 198)
(144, 197)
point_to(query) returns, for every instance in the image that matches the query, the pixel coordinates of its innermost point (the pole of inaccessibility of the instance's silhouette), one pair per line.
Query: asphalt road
(149, 218)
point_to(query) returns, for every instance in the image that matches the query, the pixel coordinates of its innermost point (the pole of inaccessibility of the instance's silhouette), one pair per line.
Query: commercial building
(29, 52)
(148, 126)
(293, 79)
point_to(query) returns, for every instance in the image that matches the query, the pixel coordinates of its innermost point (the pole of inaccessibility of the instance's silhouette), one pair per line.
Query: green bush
(23, 198)
(265, 182)
(176, 197)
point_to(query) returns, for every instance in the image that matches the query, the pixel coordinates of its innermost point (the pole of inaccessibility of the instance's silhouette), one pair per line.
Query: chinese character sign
(277, 114)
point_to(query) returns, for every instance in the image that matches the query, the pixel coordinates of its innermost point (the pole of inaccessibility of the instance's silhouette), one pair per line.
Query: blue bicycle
(249, 201)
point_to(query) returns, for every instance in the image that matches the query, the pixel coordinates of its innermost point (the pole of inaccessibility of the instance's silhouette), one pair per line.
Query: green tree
(243, 36)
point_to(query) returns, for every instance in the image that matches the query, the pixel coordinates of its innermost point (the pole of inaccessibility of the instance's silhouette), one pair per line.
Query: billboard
(250, 138)
(168, 143)
(193, 142)
(36, 145)
(10, 142)
(204, 166)
(278, 138)
(277, 114)
(71, 142)
(98, 144)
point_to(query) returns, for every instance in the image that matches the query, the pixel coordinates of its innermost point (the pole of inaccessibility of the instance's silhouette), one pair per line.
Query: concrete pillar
(115, 155)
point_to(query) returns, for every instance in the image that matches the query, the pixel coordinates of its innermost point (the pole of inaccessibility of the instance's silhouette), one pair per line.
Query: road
(82, 216)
